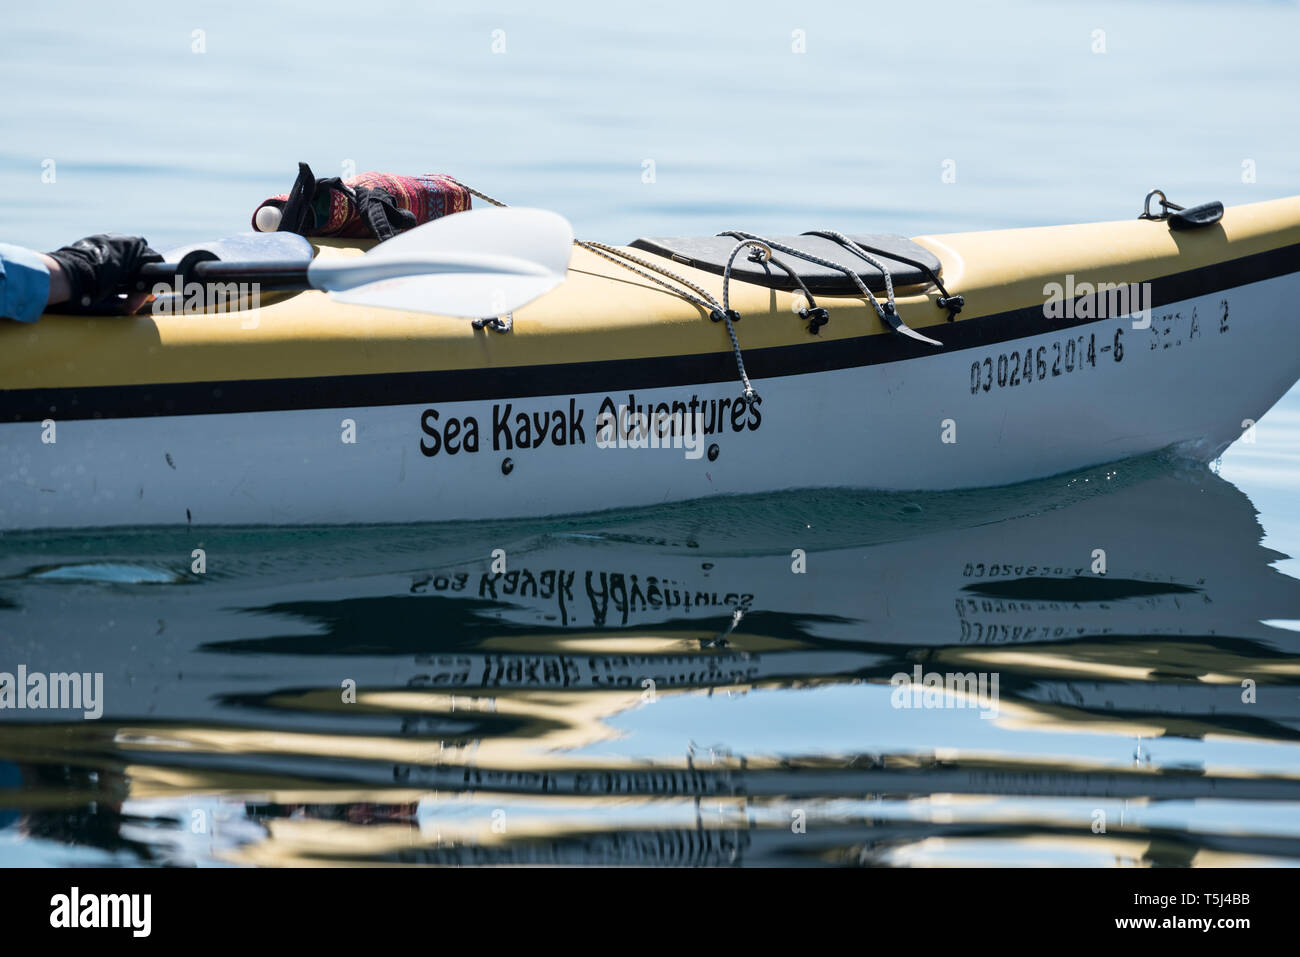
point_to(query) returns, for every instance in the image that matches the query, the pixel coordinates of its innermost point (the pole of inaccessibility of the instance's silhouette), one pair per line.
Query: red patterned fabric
(428, 197)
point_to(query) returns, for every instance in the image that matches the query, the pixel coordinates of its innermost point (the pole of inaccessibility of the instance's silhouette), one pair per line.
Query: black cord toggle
(817, 317)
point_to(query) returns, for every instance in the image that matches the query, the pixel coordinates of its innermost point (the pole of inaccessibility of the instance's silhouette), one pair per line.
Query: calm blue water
(502, 720)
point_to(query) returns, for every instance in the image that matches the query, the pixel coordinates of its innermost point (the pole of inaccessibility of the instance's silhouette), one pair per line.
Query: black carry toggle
(1179, 217)
(1207, 214)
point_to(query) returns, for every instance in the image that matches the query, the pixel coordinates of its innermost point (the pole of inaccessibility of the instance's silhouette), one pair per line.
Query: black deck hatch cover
(710, 254)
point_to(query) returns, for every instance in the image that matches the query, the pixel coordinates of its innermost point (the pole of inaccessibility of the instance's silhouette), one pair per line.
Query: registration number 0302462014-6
(1062, 357)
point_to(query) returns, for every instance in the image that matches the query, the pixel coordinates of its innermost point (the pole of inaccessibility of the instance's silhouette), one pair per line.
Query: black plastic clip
(183, 274)
(1207, 214)
(495, 323)
(816, 317)
(1180, 217)
(716, 316)
(185, 268)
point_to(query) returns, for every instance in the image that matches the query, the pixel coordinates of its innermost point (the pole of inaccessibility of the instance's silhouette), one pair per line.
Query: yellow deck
(604, 312)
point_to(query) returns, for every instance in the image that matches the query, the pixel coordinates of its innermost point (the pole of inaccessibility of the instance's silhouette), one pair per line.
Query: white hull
(878, 426)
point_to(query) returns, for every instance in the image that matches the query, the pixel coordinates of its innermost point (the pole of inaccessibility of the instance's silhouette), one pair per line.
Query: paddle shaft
(281, 276)
(287, 275)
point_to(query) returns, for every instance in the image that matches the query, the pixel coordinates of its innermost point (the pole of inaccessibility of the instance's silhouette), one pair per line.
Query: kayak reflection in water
(83, 278)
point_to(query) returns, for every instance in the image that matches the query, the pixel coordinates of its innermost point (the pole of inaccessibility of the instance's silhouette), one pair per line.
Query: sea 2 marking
(1171, 330)
(1022, 366)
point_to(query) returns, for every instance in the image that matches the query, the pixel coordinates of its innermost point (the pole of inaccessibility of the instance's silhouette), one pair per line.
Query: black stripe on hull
(616, 375)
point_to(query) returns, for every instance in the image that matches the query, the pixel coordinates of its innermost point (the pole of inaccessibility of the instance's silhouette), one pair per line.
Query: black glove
(98, 267)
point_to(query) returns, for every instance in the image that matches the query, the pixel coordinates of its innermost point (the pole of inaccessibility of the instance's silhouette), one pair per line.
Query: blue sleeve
(24, 284)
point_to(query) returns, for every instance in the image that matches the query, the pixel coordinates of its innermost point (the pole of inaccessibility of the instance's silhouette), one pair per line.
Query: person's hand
(97, 268)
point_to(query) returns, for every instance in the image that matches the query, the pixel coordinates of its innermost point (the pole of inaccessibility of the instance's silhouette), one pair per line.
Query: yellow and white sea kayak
(308, 411)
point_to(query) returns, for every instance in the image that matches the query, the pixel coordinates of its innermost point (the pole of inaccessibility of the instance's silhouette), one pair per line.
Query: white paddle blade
(451, 294)
(475, 264)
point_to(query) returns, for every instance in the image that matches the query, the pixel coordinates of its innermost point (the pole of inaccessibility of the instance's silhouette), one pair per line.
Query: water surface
(507, 718)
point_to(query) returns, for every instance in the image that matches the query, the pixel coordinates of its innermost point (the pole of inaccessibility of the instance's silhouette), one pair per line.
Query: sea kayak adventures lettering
(509, 431)
(709, 847)
(601, 672)
(678, 424)
(612, 595)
